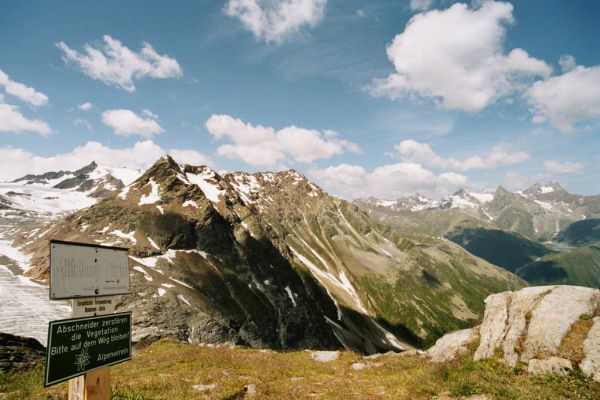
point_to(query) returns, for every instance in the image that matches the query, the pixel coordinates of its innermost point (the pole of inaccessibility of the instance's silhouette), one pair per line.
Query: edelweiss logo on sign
(82, 360)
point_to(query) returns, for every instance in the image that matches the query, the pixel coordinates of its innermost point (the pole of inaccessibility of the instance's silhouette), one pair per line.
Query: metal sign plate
(79, 345)
(83, 270)
(92, 306)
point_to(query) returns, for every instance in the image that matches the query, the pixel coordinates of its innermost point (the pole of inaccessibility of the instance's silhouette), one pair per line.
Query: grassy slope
(168, 369)
(581, 232)
(505, 249)
(580, 266)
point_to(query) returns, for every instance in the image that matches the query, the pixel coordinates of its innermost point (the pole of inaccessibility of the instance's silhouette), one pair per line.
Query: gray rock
(325, 356)
(204, 388)
(492, 328)
(590, 365)
(451, 345)
(410, 353)
(551, 320)
(357, 366)
(533, 320)
(521, 305)
(552, 365)
(18, 353)
(250, 390)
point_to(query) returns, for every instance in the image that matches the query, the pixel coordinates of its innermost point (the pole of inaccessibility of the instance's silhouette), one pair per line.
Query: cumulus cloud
(562, 168)
(567, 99)
(387, 181)
(15, 162)
(126, 122)
(117, 65)
(499, 156)
(420, 5)
(276, 20)
(22, 92)
(264, 146)
(11, 120)
(455, 56)
(87, 106)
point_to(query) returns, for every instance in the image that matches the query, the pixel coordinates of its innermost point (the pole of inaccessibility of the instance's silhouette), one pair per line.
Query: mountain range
(262, 260)
(271, 260)
(543, 234)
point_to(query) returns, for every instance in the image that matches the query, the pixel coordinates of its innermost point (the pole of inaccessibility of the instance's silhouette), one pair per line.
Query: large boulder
(17, 352)
(549, 328)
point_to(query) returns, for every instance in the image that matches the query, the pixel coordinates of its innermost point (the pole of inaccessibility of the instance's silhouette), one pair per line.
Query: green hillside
(581, 232)
(580, 266)
(505, 249)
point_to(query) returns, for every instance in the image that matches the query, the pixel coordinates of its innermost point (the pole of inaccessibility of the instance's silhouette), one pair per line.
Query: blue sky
(379, 97)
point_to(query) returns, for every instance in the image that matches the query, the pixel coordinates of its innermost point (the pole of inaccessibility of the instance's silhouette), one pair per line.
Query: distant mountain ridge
(51, 193)
(521, 231)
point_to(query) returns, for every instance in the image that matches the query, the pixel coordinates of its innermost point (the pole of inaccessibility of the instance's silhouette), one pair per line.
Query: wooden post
(93, 385)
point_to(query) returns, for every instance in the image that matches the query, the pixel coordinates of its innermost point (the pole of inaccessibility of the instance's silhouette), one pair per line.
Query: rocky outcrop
(591, 350)
(17, 352)
(552, 365)
(539, 326)
(452, 345)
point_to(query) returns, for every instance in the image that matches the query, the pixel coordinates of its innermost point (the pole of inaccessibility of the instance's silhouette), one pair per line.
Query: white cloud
(455, 56)
(567, 63)
(387, 181)
(117, 65)
(15, 163)
(499, 156)
(126, 123)
(82, 122)
(149, 113)
(567, 167)
(420, 5)
(11, 120)
(264, 146)
(567, 99)
(516, 181)
(24, 93)
(276, 20)
(87, 106)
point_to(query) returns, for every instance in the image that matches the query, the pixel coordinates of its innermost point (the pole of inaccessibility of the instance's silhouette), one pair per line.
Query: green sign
(79, 345)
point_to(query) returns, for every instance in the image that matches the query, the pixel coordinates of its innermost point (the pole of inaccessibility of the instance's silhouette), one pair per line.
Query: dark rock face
(18, 352)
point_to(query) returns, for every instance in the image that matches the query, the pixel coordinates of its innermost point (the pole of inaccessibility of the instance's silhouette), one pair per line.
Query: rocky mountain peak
(461, 192)
(87, 169)
(164, 171)
(502, 191)
(550, 187)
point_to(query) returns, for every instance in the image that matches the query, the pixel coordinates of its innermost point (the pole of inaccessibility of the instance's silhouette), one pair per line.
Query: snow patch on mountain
(12, 253)
(42, 199)
(547, 189)
(483, 197)
(203, 180)
(153, 196)
(125, 175)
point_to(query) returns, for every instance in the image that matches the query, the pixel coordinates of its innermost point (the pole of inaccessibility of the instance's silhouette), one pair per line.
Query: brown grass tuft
(571, 347)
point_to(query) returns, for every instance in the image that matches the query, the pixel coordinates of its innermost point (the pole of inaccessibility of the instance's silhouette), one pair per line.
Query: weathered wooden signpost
(82, 348)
